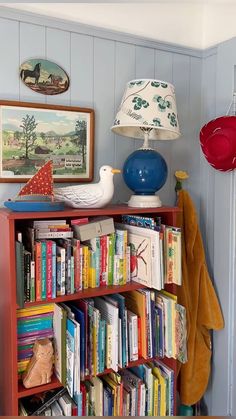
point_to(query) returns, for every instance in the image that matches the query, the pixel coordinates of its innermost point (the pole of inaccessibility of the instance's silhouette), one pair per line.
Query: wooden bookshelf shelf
(139, 361)
(90, 293)
(24, 392)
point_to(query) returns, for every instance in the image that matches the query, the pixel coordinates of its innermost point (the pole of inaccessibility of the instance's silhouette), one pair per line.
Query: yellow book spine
(155, 396)
(108, 345)
(114, 387)
(162, 383)
(85, 270)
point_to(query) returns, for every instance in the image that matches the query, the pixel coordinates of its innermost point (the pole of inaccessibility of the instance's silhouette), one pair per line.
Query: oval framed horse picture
(43, 76)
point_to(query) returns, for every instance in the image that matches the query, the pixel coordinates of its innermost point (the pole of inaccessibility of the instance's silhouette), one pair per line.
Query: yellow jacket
(203, 310)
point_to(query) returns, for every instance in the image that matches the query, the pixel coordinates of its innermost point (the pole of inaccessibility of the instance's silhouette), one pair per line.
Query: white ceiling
(192, 23)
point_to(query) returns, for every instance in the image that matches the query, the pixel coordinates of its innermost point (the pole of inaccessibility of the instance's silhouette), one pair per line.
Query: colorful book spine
(111, 254)
(103, 261)
(85, 266)
(32, 281)
(72, 284)
(76, 246)
(49, 269)
(92, 269)
(38, 270)
(44, 269)
(54, 270)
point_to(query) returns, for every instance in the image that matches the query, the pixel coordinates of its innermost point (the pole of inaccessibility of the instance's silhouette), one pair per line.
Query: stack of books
(32, 324)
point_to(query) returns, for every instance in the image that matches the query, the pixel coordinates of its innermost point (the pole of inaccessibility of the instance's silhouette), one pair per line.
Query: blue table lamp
(147, 111)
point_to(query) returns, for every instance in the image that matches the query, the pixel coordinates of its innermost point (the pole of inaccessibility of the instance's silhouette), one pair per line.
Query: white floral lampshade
(148, 104)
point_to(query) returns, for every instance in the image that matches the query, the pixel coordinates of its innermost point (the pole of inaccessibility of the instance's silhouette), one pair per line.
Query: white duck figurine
(94, 195)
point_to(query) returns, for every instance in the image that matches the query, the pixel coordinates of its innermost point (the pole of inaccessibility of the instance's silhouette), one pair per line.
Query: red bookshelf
(90, 293)
(10, 389)
(23, 392)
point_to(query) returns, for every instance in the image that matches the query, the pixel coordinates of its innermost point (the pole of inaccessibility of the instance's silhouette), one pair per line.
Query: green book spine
(111, 253)
(20, 274)
(32, 281)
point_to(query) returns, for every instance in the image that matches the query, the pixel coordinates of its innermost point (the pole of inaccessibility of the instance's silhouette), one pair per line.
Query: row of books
(110, 332)
(145, 390)
(32, 324)
(50, 264)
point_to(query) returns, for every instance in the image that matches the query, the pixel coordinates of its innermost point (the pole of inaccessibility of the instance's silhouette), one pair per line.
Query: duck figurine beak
(114, 171)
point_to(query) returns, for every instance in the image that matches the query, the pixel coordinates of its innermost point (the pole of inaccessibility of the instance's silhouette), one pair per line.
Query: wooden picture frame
(33, 133)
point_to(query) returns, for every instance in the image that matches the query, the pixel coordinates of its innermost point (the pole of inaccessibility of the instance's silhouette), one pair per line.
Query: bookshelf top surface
(84, 212)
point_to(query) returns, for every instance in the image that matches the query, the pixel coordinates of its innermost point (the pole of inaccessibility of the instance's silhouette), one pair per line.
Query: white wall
(192, 23)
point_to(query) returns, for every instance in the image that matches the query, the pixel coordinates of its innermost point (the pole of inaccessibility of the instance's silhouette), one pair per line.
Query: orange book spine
(38, 271)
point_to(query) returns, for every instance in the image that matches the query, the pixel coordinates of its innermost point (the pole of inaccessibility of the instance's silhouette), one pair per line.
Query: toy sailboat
(37, 194)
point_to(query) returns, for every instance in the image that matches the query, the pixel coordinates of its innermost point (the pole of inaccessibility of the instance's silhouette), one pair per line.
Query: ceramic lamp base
(144, 201)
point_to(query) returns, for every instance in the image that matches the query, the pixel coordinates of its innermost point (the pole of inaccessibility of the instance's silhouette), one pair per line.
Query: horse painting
(43, 76)
(35, 73)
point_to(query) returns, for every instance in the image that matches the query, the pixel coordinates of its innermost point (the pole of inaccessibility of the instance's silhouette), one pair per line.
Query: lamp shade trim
(148, 104)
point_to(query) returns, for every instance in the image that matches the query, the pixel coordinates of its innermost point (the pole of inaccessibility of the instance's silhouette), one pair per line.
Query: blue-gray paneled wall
(99, 64)
(218, 214)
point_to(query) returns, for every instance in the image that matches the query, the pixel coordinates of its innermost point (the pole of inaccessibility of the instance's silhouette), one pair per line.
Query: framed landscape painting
(32, 134)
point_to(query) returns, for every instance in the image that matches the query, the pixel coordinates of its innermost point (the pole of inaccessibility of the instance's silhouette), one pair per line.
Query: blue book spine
(54, 270)
(41, 325)
(161, 337)
(44, 269)
(78, 401)
(105, 402)
(79, 317)
(153, 337)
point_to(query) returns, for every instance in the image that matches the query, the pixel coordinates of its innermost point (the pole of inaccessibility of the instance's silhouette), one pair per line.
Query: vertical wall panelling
(164, 71)
(124, 146)
(58, 50)
(207, 172)
(81, 78)
(223, 386)
(144, 69)
(32, 45)
(180, 149)
(9, 80)
(104, 102)
(9, 52)
(193, 128)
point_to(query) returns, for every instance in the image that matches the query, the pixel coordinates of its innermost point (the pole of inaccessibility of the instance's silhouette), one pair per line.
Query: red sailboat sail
(41, 183)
